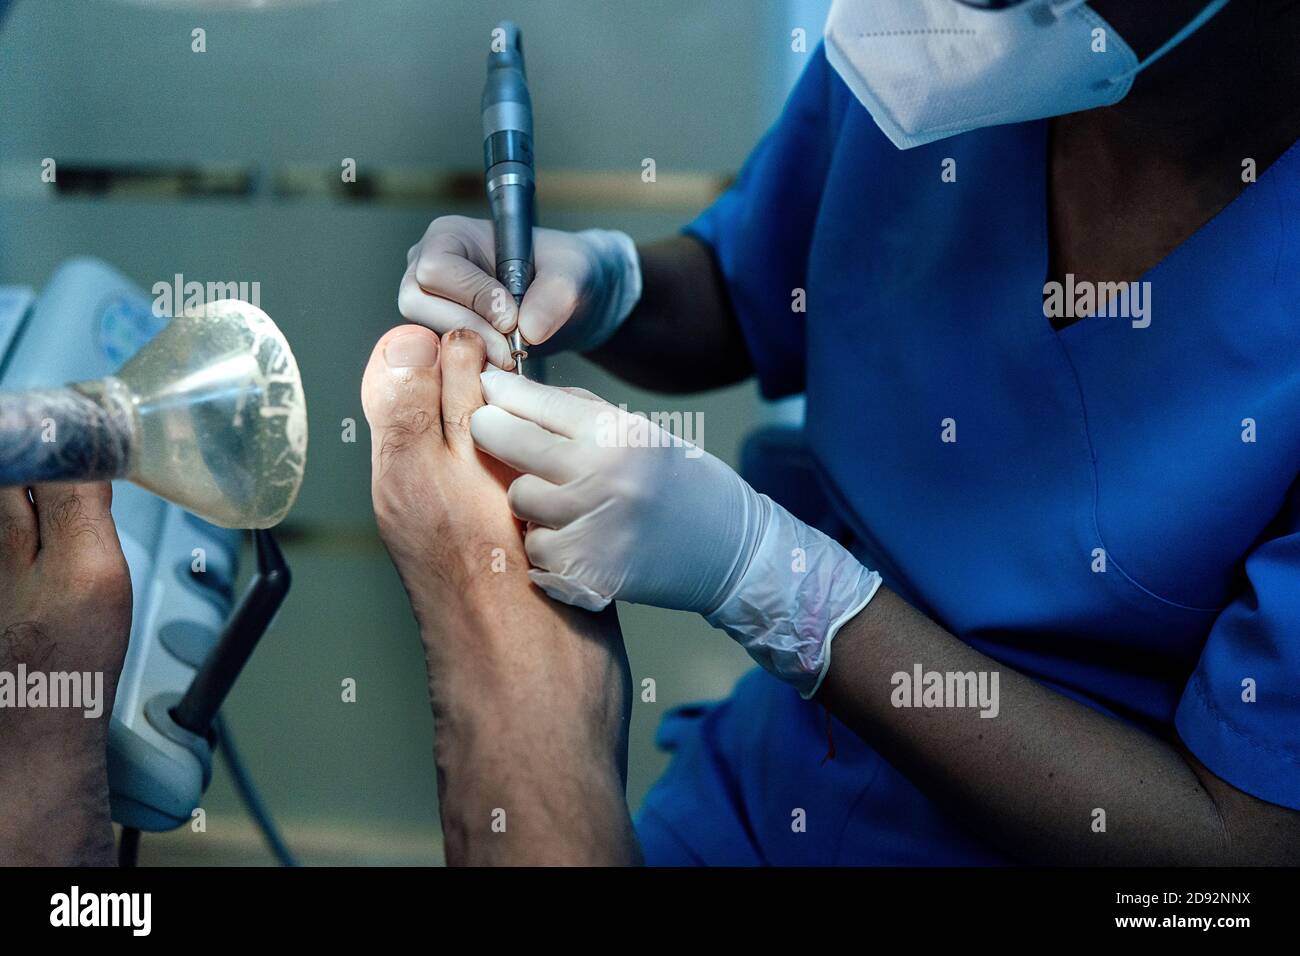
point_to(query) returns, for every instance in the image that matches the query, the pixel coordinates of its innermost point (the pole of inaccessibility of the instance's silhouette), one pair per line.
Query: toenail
(412, 350)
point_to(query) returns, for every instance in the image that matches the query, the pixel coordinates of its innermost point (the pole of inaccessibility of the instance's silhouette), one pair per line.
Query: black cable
(248, 793)
(128, 847)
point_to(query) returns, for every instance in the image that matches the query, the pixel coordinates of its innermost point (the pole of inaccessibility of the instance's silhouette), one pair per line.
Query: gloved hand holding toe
(619, 509)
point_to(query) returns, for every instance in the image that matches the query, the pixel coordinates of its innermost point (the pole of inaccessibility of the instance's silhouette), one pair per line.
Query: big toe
(401, 393)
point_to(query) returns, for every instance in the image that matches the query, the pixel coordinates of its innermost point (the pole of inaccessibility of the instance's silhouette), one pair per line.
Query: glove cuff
(799, 588)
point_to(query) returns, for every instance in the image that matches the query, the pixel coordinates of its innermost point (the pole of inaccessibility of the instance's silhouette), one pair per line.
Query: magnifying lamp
(210, 415)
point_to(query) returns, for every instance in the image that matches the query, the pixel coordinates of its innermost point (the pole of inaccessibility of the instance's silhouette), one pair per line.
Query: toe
(462, 394)
(401, 393)
(18, 538)
(76, 523)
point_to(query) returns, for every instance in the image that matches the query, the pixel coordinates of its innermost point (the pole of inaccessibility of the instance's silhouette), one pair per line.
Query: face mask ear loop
(1198, 21)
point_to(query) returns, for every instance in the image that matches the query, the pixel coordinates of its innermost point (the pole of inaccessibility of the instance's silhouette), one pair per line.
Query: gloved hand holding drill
(586, 285)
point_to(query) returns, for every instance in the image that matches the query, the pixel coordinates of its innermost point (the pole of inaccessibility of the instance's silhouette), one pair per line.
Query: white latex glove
(618, 508)
(586, 284)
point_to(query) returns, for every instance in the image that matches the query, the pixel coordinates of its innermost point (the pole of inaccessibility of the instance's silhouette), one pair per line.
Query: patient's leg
(530, 697)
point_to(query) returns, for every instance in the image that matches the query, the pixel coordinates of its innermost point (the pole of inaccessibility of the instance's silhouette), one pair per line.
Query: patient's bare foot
(440, 504)
(530, 697)
(65, 608)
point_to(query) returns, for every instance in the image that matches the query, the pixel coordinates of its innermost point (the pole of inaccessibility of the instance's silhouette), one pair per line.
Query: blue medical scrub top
(924, 305)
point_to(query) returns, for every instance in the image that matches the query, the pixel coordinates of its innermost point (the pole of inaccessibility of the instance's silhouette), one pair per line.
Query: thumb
(548, 305)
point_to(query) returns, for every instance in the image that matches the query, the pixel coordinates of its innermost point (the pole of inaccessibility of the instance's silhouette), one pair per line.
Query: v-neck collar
(1041, 190)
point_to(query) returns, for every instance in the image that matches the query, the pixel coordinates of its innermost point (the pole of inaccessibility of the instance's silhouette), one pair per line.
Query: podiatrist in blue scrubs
(1035, 266)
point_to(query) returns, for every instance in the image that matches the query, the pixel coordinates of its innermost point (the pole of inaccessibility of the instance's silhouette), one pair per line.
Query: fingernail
(412, 350)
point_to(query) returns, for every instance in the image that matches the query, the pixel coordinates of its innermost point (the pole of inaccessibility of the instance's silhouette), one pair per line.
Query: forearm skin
(683, 335)
(1031, 779)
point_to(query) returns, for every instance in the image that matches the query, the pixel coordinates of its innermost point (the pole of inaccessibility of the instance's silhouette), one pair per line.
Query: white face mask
(929, 69)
